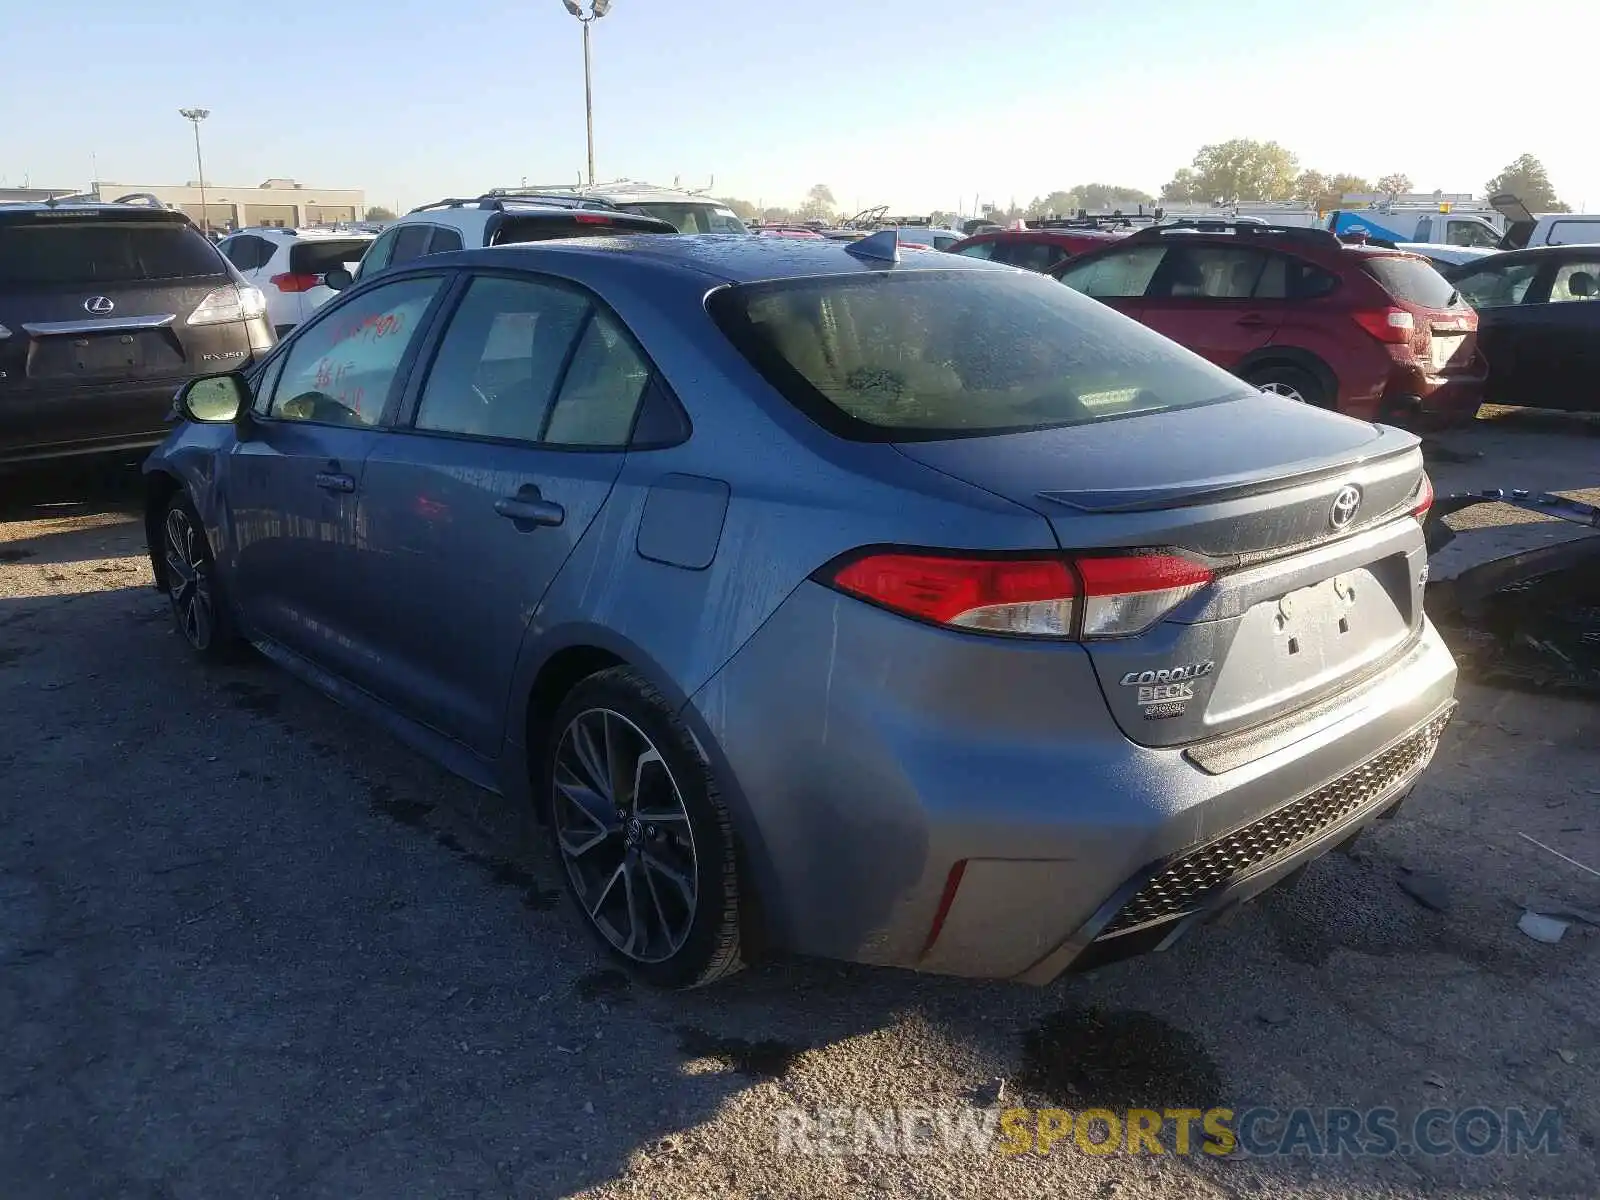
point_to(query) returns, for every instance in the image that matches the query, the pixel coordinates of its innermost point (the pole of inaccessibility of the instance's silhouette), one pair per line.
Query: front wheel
(198, 613)
(1290, 382)
(644, 839)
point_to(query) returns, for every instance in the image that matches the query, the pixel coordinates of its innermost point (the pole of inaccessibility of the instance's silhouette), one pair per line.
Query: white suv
(497, 218)
(289, 266)
(688, 212)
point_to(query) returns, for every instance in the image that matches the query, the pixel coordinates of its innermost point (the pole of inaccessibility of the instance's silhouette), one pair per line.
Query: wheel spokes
(624, 835)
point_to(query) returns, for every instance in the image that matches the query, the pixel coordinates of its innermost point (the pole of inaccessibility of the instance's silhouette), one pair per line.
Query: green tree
(1243, 169)
(378, 212)
(819, 201)
(1056, 204)
(1527, 181)
(742, 209)
(1104, 197)
(1181, 188)
(1326, 191)
(1395, 185)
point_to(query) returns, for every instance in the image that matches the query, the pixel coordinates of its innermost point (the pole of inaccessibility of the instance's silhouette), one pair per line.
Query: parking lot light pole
(597, 9)
(195, 116)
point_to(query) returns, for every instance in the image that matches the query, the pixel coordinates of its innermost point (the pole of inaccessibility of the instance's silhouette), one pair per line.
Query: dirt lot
(251, 947)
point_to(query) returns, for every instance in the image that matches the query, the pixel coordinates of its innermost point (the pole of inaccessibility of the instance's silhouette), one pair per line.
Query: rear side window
(1031, 256)
(44, 253)
(444, 239)
(932, 354)
(983, 250)
(1286, 278)
(1413, 280)
(320, 257)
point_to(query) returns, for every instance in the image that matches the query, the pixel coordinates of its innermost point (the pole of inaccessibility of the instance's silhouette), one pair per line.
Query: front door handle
(528, 509)
(1250, 319)
(335, 481)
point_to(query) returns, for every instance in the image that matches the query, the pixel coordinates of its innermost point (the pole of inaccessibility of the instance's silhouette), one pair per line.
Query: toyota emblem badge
(1344, 507)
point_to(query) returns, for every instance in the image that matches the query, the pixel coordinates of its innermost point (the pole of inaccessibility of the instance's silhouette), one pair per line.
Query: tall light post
(597, 9)
(195, 116)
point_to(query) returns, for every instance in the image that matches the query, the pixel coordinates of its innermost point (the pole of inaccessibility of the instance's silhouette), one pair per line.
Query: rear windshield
(1414, 281)
(320, 257)
(691, 218)
(544, 228)
(930, 354)
(98, 252)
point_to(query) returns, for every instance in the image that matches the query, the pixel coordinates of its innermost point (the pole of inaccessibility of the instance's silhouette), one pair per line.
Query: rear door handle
(528, 509)
(336, 481)
(1252, 319)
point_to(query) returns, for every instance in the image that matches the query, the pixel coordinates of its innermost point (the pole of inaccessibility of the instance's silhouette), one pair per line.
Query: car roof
(93, 208)
(730, 257)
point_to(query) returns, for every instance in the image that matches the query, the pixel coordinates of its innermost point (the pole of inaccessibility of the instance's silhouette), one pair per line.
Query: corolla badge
(1345, 506)
(98, 305)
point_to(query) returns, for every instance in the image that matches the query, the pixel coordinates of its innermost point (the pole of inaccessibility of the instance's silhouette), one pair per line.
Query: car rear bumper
(1441, 398)
(965, 805)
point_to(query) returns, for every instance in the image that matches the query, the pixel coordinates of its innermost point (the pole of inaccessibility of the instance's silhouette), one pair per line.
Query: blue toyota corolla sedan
(849, 599)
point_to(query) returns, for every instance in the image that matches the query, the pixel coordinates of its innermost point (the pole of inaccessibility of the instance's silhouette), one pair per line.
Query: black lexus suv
(105, 308)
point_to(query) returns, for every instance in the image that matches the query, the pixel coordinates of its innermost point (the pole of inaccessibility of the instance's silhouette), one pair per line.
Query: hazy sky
(912, 103)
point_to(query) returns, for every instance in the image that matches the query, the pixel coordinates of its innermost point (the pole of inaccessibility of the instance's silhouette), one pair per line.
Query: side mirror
(214, 399)
(338, 279)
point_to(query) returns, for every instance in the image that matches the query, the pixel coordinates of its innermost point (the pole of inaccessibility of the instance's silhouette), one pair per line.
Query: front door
(1116, 277)
(1206, 298)
(475, 504)
(295, 478)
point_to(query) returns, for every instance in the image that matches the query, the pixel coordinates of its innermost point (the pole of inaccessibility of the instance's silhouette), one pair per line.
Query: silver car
(899, 608)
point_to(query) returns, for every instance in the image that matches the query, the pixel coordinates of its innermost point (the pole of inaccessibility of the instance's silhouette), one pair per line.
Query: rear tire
(644, 840)
(1290, 382)
(199, 611)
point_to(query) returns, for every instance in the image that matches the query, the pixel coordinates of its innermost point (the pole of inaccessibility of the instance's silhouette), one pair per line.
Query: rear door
(1205, 297)
(294, 480)
(97, 306)
(519, 430)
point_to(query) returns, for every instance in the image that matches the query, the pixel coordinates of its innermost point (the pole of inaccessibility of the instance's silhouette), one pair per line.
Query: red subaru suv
(1043, 245)
(1373, 332)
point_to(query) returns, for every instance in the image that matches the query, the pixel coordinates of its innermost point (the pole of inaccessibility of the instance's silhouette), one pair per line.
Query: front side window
(1497, 287)
(377, 256)
(1119, 274)
(340, 371)
(983, 250)
(930, 354)
(1470, 233)
(1576, 281)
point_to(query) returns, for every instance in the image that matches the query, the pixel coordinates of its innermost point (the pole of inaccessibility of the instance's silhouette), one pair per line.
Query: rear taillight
(1127, 595)
(230, 303)
(295, 281)
(1422, 498)
(1392, 325)
(1087, 597)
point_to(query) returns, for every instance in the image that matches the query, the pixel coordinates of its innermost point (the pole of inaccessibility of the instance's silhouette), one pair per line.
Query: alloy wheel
(189, 579)
(1282, 389)
(624, 835)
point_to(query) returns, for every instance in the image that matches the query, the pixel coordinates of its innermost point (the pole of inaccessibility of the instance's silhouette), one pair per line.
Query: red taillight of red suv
(295, 281)
(1392, 325)
(1088, 597)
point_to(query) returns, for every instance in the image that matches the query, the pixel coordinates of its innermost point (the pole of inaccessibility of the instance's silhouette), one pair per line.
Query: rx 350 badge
(1166, 692)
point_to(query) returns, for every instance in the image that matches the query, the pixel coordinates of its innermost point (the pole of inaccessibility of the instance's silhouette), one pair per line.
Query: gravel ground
(249, 946)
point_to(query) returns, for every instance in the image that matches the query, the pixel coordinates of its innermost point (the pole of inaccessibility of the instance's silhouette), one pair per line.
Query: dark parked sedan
(900, 608)
(1538, 325)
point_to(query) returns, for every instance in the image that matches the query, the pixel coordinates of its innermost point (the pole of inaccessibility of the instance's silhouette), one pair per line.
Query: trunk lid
(1304, 599)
